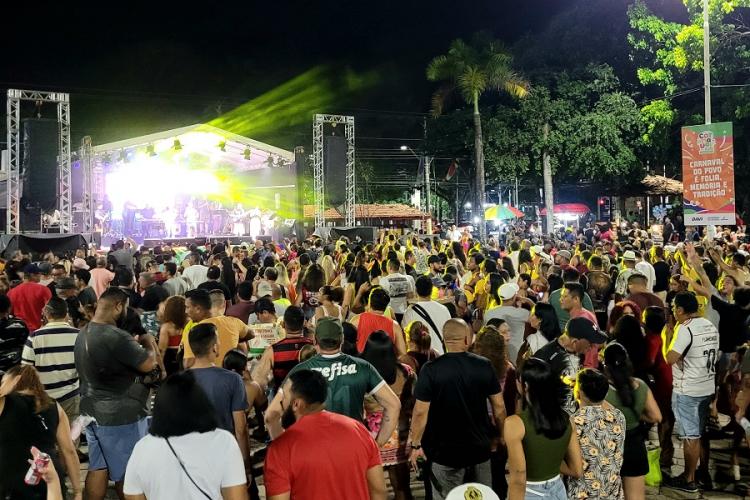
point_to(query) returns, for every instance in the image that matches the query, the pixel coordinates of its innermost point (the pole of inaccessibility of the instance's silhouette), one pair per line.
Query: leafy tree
(473, 69)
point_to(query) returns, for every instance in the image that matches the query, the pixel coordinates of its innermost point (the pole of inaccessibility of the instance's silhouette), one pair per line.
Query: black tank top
(21, 428)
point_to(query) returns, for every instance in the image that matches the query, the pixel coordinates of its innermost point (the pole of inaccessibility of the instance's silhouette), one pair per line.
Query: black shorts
(634, 456)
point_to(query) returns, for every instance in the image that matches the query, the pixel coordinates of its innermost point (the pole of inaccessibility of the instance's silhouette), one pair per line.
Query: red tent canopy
(568, 208)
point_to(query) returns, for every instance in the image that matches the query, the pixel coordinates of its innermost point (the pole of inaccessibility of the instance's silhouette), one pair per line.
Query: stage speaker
(334, 167)
(367, 234)
(39, 168)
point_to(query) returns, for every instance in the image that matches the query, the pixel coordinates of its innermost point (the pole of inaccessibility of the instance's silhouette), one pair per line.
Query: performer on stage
(238, 220)
(191, 220)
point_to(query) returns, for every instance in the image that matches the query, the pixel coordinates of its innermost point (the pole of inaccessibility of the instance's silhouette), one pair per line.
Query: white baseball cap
(472, 491)
(508, 291)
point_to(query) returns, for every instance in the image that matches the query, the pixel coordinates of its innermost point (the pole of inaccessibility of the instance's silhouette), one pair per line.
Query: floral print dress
(601, 434)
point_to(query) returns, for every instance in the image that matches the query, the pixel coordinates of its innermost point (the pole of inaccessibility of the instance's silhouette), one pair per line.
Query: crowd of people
(525, 365)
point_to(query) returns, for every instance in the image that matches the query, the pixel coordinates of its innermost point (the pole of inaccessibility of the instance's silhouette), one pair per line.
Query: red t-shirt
(323, 456)
(369, 322)
(27, 301)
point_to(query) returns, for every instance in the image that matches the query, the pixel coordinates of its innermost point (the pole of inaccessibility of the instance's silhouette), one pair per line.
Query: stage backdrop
(708, 174)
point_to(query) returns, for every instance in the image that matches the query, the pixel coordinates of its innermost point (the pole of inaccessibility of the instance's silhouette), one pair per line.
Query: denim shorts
(110, 446)
(553, 488)
(690, 414)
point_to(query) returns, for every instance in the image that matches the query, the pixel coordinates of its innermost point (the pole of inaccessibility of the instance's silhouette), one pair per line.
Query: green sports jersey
(349, 381)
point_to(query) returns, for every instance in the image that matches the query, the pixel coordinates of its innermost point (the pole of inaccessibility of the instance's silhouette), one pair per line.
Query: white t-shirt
(195, 274)
(439, 315)
(516, 318)
(693, 375)
(536, 341)
(212, 459)
(398, 286)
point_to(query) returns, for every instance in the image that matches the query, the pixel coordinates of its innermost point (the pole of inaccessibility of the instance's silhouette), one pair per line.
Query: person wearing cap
(564, 354)
(67, 290)
(628, 262)
(101, 276)
(562, 259)
(29, 297)
(349, 379)
(46, 269)
(511, 311)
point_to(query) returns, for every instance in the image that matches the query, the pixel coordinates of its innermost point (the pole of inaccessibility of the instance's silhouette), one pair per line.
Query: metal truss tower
(64, 192)
(319, 168)
(87, 168)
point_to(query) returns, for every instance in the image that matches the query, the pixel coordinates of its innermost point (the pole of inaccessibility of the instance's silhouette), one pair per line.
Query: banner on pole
(708, 174)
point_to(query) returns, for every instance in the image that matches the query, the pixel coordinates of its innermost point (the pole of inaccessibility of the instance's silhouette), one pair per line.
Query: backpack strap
(423, 314)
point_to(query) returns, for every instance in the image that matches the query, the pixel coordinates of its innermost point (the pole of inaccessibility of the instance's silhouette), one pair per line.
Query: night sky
(143, 67)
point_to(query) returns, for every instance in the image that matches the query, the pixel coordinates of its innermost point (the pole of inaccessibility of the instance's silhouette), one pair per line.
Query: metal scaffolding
(87, 168)
(64, 192)
(319, 168)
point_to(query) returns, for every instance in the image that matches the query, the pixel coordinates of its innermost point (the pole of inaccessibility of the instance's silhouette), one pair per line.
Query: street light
(425, 161)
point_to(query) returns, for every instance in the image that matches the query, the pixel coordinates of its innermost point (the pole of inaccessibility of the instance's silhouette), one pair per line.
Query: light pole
(706, 64)
(425, 160)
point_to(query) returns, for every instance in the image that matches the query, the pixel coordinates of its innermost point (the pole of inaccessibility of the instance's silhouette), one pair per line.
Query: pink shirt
(100, 279)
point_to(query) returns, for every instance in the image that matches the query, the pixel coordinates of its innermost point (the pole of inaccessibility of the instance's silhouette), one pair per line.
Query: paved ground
(719, 465)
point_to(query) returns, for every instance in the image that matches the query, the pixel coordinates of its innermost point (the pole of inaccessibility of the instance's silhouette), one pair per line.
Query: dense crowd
(528, 365)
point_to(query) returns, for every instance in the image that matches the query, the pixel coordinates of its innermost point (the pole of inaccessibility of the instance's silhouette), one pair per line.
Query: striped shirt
(50, 350)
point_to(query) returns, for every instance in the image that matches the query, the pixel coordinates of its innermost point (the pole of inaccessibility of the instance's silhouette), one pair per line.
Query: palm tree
(473, 69)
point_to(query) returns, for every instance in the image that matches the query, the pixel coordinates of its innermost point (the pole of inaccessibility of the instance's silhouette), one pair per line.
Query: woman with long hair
(203, 460)
(543, 320)
(308, 296)
(629, 334)
(172, 316)
(525, 262)
(495, 281)
(622, 308)
(541, 440)
(51, 420)
(507, 264)
(379, 351)
(357, 286)
(491, 344)
(634, 399)
(419, 346)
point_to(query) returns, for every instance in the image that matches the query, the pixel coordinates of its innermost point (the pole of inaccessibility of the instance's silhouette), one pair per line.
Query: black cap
(581, 328)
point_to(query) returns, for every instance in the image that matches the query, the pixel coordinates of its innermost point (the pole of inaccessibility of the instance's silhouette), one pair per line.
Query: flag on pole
(420, 168)
(452, 169)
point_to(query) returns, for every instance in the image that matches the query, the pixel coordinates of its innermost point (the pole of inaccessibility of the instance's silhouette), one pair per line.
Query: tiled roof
(330, 213)
(373, 211)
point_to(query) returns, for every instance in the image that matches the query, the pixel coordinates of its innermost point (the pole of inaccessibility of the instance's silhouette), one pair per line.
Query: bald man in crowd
(452, 393)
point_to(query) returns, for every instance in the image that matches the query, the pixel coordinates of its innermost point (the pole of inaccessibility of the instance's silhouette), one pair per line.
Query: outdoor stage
(183, 184)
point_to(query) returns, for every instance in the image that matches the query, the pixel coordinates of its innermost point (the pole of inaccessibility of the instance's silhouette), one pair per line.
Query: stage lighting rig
(223, 146)
(247, 153)
(177, 145)
(150, 150)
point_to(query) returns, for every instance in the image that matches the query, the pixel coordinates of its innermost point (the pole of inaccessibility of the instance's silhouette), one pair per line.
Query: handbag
(654, 477)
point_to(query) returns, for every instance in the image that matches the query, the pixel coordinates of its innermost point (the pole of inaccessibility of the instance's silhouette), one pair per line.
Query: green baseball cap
(329, 329)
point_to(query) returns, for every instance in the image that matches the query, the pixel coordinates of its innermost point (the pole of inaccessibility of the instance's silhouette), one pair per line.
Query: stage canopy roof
(201, 140)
